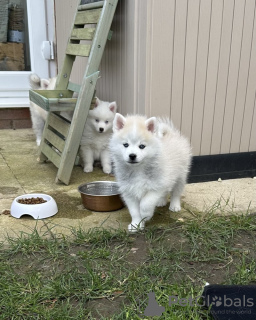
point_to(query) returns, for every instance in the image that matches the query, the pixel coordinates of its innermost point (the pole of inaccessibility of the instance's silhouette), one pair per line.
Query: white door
(29, 49)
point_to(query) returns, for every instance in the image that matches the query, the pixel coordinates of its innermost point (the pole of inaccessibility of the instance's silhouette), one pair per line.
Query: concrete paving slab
(21, 173)
(226, 196)
(2, 161)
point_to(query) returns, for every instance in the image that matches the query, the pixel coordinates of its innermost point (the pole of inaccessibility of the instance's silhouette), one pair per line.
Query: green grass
(107, 274)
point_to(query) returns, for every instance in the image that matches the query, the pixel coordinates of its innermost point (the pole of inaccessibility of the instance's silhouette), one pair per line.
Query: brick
(22, 124)
(14, 113)
(15, 118)
(5, 124)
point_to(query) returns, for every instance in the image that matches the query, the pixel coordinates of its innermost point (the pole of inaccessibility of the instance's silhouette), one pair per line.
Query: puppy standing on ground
(97, 132)
(151, 159)
(39, 115)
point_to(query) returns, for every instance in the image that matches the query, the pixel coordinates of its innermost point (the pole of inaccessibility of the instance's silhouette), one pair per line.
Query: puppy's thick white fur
(151, 159)
(39, 115)
(96, 136)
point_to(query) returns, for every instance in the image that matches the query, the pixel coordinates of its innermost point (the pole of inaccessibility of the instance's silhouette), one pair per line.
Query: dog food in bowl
(32, 200)
(101, 196)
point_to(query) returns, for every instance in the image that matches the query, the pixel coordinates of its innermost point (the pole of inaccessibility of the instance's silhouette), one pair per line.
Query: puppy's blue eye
(97, 120)
(142, 146)
(126, 145)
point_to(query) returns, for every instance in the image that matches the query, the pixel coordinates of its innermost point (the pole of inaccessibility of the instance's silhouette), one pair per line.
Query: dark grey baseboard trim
(224, 166)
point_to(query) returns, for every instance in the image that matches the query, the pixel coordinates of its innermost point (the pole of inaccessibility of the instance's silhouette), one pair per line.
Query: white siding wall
(192, 60)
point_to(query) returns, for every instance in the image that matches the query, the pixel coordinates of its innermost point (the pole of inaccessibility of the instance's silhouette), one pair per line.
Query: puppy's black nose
(132, 156)
(101, 129)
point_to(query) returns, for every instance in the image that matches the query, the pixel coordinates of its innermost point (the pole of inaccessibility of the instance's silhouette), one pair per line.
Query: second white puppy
(151, 159)
(97, 132)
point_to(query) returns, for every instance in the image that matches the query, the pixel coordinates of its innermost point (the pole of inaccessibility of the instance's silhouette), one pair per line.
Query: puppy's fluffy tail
(34, 81)
(165, 126)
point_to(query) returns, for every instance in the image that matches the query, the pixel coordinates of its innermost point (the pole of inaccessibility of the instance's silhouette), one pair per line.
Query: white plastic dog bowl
(37, 211)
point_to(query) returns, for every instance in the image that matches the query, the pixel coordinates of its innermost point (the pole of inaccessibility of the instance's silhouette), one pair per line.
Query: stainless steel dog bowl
(101, 196)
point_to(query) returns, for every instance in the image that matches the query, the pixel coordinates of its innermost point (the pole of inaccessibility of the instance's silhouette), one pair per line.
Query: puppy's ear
(119, 122)
(151, 124)
(97, 102)
(113, 107)
(44, 84)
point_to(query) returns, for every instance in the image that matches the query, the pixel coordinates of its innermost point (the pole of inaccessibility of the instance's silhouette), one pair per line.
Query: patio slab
(21, 173)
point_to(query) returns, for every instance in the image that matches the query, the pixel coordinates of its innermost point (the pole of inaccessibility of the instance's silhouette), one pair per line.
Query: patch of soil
(106, 308)
(139, 251)
(199, 272)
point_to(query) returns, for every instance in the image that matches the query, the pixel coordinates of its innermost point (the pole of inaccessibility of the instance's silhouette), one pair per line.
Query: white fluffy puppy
(151, 159)
(97, 132)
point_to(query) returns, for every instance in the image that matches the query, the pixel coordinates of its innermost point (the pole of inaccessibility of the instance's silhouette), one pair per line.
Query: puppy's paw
(162, 202)
(175, 208)
(134, 227)
(175, 205)
(107, 169)
(88, 168)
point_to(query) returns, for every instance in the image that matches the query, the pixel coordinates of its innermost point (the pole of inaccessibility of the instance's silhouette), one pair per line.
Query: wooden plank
(76, 128)
(62, 101)
(38, 99)
(158, 70)
(252, 145)
(223, 69)
(52, 155)
(235, 55)
(178, 61)
(82, 50)
(82, 33)
(74, 87)
(212, 76)
(248, 136)
(93, 5)
(53, 94)
(88, 17)
(201, 72)
(110, 34)
(58, 124)
(141, 63)
(47, 98)
(54, 139)
(62, 107)
(190, 67)
(64, 75)
(242, 76)
(128, 53)
(66, 106)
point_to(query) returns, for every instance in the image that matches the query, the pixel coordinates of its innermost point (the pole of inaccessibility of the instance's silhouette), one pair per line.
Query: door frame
(14, 85)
